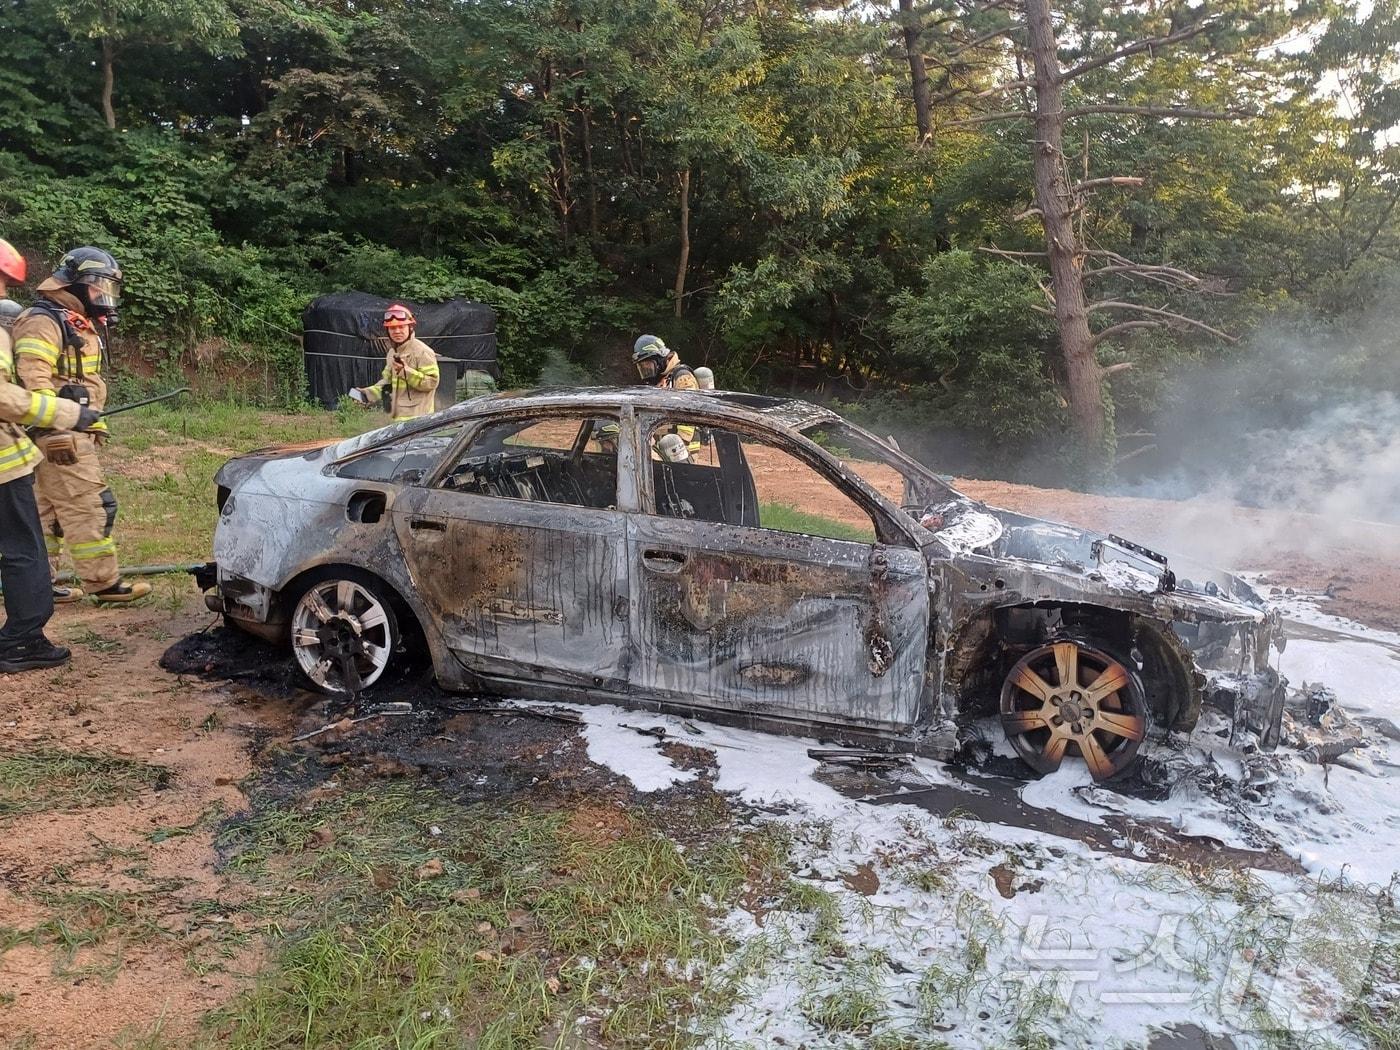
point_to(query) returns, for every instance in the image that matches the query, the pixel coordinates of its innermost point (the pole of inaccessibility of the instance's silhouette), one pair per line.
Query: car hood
(965, 526)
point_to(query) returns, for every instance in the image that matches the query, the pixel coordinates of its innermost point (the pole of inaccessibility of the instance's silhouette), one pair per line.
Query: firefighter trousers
(78, 511)
(24, 572)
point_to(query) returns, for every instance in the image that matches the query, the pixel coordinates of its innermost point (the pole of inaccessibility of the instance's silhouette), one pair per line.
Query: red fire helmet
(12, 263)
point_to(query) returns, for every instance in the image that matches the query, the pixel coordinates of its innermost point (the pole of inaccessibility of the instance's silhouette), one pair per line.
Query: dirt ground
(115, 700)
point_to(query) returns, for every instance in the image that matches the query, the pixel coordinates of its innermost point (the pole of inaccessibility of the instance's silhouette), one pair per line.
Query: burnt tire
(344, 631)
(1072, 696)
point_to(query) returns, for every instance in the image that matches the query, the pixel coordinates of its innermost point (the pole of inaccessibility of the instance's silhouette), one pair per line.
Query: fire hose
(136, 570)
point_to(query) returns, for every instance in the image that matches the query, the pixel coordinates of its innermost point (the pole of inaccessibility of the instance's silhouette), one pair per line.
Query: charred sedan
(735, 557)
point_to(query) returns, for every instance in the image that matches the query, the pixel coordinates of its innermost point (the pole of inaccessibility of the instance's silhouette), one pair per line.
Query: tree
(208, 25)
(1099, 62)
(1348, 167)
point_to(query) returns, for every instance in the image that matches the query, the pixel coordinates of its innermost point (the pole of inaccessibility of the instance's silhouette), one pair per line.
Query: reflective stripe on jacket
(42, 361)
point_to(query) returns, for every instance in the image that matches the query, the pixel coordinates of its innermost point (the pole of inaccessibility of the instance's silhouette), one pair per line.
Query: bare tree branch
(988, 118)
(1011, 85)
(978, 41)
(1115, 304)
(1121, 366)
(1183, 112)
(1118, 329)
(1110, 180)
(1011, 255)
(1028, 213)
(1137, 47)
(1142, 270)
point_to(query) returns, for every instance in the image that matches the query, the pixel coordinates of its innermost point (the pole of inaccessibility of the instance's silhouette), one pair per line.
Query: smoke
(1304, 420)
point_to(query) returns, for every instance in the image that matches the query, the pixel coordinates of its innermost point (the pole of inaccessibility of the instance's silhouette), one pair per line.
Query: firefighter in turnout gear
(661, 366)
(59, 349)
(24, 569)
(410, 368)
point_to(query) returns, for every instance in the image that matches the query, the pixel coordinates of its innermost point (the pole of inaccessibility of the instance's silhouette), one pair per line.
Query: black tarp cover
(343, 341)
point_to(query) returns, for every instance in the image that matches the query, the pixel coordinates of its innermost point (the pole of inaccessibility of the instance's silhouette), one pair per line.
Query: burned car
(729, 556)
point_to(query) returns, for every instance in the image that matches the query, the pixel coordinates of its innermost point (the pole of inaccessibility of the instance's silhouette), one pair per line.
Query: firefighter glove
(86, 418)
(60, 449)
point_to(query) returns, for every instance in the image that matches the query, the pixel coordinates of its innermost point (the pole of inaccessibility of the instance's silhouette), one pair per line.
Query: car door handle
(430, 524)
(663, 561)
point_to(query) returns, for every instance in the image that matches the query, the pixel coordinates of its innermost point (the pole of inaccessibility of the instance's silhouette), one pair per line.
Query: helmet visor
(104, 293)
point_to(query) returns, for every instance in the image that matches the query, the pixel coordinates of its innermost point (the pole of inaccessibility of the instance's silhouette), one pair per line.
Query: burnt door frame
(746, 619)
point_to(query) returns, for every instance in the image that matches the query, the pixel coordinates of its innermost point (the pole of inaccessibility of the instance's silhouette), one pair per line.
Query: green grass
(535, 920)
(32, 782)
(786, 518)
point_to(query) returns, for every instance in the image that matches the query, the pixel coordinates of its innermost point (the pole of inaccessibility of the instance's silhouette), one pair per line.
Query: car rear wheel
(1070, 695)
(344, 633)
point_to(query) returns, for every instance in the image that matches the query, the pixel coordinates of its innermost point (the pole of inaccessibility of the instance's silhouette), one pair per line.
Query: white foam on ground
(613, 741)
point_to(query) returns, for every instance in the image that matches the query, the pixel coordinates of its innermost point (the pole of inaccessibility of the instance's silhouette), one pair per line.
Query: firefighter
(410, 368)
(661, 366)
(59, 344)
(24, 569)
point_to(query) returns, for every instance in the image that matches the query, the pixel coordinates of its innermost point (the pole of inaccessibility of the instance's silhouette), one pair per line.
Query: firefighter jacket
(22, 408)
(678, 376)
(410, 392)
(51, 352)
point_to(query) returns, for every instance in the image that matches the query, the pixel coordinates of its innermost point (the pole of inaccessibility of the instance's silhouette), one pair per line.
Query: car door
(517, 548)
(759, 585)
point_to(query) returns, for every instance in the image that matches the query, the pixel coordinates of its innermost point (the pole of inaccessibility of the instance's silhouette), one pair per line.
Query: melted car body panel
(761, 621)
(519, 588)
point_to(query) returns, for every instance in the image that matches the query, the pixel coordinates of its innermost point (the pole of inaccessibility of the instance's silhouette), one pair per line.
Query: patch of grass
(101, 923)
(31, 782)
(178, 831)
(502, 929)
(98, 643)
(787, 518)
(825, 911)
(851, 1008)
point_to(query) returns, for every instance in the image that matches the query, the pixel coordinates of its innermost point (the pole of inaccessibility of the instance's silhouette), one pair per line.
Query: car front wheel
(1071, 697)
(344, 633)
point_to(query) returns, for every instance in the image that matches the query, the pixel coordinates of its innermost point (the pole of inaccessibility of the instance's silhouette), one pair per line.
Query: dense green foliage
(743, 179)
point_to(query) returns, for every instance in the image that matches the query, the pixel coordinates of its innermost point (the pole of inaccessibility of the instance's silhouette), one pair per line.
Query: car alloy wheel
(1066, 694)
(343, 635)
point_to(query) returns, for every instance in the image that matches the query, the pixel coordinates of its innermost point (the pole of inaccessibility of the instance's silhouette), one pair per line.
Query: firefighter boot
(30, 656)
(123, 591)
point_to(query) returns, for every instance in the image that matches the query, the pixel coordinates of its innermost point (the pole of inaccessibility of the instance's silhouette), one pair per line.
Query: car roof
(784, 411)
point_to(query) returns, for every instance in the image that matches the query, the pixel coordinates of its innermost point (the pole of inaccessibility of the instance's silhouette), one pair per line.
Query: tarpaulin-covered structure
(343, 342)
